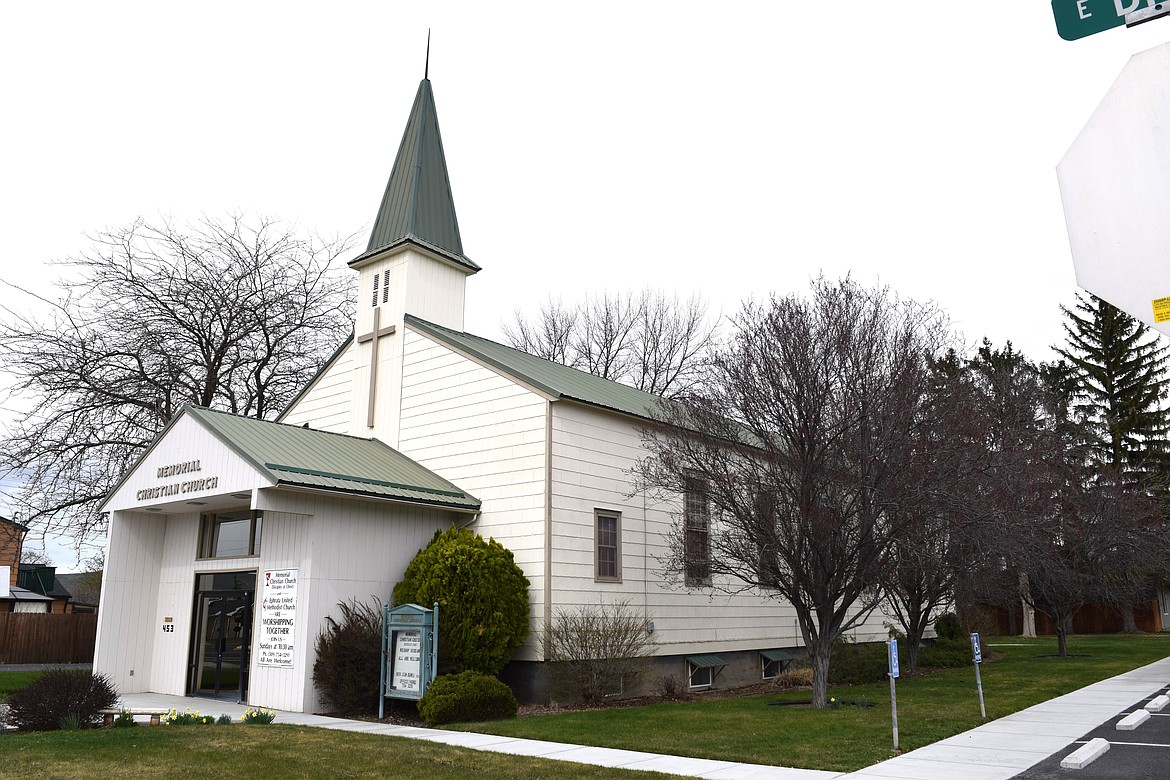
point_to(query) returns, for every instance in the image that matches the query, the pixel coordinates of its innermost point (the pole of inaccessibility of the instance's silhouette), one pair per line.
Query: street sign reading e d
(1079, 18)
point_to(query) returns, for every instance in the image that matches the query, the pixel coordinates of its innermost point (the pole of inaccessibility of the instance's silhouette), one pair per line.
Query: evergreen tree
(1120, 370)
(1117, 371)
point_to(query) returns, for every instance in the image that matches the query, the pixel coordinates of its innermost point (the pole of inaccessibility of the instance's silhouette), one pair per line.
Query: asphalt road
(1141, 754)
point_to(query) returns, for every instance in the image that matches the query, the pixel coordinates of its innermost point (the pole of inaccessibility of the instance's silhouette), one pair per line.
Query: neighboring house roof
(554, 379)
(417, 206)
(17, 593)
(84, 588)
(292, 456)
(6, 521)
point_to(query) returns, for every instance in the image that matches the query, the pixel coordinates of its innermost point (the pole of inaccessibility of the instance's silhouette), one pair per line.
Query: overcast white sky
(732, 149)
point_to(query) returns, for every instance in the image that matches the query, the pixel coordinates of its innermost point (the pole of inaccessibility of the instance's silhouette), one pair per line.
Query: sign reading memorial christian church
(278, 610)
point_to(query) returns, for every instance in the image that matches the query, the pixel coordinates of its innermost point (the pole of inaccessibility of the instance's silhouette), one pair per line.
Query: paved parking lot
(1140, 754)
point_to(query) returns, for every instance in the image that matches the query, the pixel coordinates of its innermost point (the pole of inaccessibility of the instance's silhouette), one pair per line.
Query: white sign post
(1115, 184)
(278, 611)
(892, 646)
(977, 654)
(408, 661)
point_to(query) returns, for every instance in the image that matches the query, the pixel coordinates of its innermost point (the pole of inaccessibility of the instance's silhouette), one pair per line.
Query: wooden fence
(1089, 619)
(35, 638)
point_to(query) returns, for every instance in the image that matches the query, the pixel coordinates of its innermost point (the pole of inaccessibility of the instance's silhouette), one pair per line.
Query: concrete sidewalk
(997, 750)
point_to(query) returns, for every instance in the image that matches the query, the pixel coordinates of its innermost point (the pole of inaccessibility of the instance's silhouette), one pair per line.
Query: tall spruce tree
(1119, 366)
(1118, 370)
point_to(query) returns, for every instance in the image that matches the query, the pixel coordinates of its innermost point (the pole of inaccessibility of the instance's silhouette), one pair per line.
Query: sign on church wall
(278, 610)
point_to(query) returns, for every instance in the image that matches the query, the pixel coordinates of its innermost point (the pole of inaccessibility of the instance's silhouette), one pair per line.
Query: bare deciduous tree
(234, 314)
(807, 448)
(594, 650)
(650, 341)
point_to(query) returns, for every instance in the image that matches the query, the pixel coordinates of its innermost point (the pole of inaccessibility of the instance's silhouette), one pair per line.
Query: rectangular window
(385, 287)
(230, 534)
(771, 668)
(699, 676)
(768, 568)
(375, 301)
(697, 531)
(608, 546)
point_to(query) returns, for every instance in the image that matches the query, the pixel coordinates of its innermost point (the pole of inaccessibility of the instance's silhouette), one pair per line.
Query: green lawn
(931, 706)
(14, 681)
(267, 752)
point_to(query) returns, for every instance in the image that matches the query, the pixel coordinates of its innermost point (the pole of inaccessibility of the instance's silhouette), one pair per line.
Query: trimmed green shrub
(347, 669)
(468, 696)
(858, 663)
(945, 654)
(482, 595)
(948, 626)
(61, 695)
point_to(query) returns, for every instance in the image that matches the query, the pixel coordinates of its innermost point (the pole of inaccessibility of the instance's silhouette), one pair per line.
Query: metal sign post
(892, 645)
(977, 655)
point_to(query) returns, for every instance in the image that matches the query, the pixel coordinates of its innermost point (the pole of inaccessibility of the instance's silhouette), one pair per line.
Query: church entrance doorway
(221, 643)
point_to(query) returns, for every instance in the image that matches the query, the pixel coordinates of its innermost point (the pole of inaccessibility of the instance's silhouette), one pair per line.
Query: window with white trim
(230, 534)
(699, 676)
(607, 545)
(697, 533)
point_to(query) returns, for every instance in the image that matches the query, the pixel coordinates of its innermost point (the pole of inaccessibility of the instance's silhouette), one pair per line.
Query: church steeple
(417, 207)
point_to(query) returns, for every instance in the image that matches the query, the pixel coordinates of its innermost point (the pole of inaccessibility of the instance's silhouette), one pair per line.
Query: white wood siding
(486, 434)
(593, 454)
(326, 405)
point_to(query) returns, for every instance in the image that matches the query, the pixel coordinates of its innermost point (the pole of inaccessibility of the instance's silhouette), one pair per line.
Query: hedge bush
(61, 695)
(468, 696)
(858, 663)
(948, 626)
(482, 595)
(945, 654)
(348, 665)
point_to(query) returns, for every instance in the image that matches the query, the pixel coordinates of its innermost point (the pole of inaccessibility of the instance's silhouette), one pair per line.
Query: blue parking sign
(976, 649)
(893, 645)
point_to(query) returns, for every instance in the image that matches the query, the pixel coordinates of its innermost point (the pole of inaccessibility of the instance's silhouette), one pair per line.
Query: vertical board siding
(343, 550)
(486, 434)
(125, 636)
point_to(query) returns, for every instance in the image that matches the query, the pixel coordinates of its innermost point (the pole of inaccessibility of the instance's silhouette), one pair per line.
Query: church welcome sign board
(278, 611)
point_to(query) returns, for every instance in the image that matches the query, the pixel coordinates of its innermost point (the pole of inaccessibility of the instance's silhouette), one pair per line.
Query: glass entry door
(222, 642)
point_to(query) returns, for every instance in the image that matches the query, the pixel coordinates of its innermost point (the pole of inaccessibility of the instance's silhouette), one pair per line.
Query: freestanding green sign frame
(410, 648)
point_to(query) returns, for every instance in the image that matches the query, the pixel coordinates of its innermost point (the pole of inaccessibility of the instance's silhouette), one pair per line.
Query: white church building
(232, 540)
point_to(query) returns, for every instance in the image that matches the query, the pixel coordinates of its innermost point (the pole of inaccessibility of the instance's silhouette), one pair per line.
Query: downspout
(548, 524)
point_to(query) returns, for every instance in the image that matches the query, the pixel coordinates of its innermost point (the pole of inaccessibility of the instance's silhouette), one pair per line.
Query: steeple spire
(417, 207)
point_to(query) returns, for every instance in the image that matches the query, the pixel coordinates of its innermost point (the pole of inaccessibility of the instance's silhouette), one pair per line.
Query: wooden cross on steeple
(373, 336)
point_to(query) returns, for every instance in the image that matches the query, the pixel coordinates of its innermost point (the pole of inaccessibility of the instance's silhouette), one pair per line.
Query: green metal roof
(705, 661)
(293, 456)
(417, 206)
(552, 378)
(778, 655)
